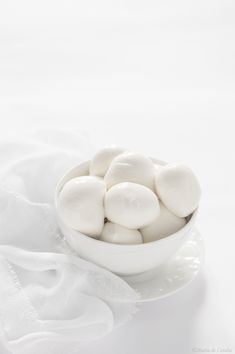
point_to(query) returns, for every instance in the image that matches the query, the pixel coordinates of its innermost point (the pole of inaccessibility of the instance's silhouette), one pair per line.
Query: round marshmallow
(178, 188)
(102, 159)
(130, 167)
(115, 233)
(80, 204)
(131, 205)
(164, 225)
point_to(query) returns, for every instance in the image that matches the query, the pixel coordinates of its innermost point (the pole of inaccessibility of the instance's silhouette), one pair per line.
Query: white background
(154, 76)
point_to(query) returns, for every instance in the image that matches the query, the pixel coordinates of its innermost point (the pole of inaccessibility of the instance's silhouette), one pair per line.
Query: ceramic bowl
(122, 259)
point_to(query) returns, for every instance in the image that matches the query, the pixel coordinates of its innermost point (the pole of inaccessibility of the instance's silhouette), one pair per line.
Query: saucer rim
(200, 245)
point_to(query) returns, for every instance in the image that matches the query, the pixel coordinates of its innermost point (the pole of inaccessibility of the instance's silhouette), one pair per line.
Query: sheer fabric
(50, 299)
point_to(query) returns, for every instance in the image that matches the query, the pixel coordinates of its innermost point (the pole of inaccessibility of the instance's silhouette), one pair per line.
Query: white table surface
(158, 77)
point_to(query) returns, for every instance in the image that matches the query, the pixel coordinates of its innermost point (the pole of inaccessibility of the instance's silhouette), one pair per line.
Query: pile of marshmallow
(129, 199)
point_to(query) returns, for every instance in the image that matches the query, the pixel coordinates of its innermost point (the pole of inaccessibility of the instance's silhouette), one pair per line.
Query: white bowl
(121, 259)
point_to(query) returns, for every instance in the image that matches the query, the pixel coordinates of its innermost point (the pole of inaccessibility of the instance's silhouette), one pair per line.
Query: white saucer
(174, 275)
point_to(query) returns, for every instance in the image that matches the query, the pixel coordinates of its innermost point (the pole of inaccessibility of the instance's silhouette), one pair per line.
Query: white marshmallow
(115, 233)
(130, 167)
(164, 225)
(178, 188)
(131, 205)
(80, 204)
(102, 159)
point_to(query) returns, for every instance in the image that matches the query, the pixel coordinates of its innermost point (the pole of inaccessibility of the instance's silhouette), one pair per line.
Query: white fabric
(50, 299)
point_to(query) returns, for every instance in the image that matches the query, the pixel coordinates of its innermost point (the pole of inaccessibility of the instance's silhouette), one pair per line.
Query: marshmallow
(115, 233)
(164, 225)
(178, 188)
(80, 204)
(130, 167)
(102, 159)
(131, 205)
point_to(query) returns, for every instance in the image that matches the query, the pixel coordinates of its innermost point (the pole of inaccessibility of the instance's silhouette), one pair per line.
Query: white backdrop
(154, 76)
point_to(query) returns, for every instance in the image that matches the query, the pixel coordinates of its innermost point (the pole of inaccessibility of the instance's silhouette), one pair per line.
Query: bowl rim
(99, 242)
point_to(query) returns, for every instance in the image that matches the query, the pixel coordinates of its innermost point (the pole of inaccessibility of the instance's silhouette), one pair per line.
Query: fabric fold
(50, 299)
